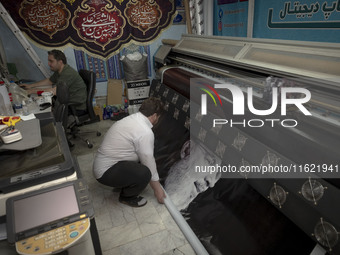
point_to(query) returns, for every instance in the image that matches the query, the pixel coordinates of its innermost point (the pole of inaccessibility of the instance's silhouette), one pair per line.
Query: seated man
(125, 159)
(62, 72)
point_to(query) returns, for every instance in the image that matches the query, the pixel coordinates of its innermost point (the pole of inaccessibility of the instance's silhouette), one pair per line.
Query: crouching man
(125, 159)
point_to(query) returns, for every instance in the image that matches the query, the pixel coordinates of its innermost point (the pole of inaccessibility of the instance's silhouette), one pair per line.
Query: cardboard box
(98, 111)
(114, 92)
(138, 91)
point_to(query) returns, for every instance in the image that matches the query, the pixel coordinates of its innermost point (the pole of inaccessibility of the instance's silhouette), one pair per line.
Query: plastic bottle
(3, 110)
(104, 112)
(6, 104)
(17, 104)
(31, 106)
(11, 102)
(17, 92)
(126, 105)
(24, 108)
(109, 112)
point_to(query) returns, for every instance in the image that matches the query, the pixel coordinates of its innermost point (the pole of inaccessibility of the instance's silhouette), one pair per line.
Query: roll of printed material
(184, 226)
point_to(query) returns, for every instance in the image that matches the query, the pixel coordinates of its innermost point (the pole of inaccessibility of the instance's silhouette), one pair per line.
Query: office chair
(89, 116)
(60, 109)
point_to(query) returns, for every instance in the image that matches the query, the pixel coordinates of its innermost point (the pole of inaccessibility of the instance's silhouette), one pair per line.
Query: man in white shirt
(125, 159)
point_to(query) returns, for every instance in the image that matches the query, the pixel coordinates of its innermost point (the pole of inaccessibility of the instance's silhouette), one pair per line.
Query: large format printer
(308, 199)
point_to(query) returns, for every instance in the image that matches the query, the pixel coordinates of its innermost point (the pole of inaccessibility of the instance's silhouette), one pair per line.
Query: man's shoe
(134, 201)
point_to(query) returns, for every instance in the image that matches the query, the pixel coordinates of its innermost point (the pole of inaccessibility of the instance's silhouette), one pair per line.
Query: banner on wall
(100, 27)
(231, 17)
(302, 20)
(112, 68)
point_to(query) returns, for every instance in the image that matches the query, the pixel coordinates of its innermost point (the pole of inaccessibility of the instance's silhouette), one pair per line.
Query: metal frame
(21, 38)
(212, 48)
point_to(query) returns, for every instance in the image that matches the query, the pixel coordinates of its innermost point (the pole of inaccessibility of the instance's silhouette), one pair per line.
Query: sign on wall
(298, 20)
(231, 17)
(100, 27)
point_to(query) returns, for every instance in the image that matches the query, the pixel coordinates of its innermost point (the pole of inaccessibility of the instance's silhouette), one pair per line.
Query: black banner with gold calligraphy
(100, 27)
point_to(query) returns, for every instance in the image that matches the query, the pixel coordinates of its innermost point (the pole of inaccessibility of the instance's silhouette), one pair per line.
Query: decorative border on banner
(97, 65)
(114, 67)
(80, 59)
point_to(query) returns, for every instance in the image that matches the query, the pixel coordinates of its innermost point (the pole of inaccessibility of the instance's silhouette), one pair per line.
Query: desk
(29, 128)
(31, 136)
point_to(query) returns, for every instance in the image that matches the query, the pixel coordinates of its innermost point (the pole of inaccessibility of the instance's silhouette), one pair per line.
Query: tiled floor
(124, 230)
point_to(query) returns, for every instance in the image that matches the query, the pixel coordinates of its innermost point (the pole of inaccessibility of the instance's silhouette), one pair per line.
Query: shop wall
(230, 18)
(174, 32)
(305, 20)
(15, 53)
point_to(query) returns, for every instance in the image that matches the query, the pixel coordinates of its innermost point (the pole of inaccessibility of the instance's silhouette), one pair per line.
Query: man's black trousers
(131, 177)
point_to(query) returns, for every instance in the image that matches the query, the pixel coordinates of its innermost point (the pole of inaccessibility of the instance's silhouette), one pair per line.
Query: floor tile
(120, 235)
(186, 249)
(154, 244)
(170, 224)
(148, 219)
(119, 215)
(173, 252)
(103, 219)
(114, 251)
(124, 230)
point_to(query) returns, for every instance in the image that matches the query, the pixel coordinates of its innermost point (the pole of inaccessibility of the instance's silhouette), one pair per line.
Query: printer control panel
(54, 240)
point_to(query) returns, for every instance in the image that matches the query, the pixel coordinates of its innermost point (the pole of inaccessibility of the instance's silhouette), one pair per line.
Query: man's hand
(160, 195)
(43, 84)
(158, 191)
(31, 91)
(35, 90)
(25, 86)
